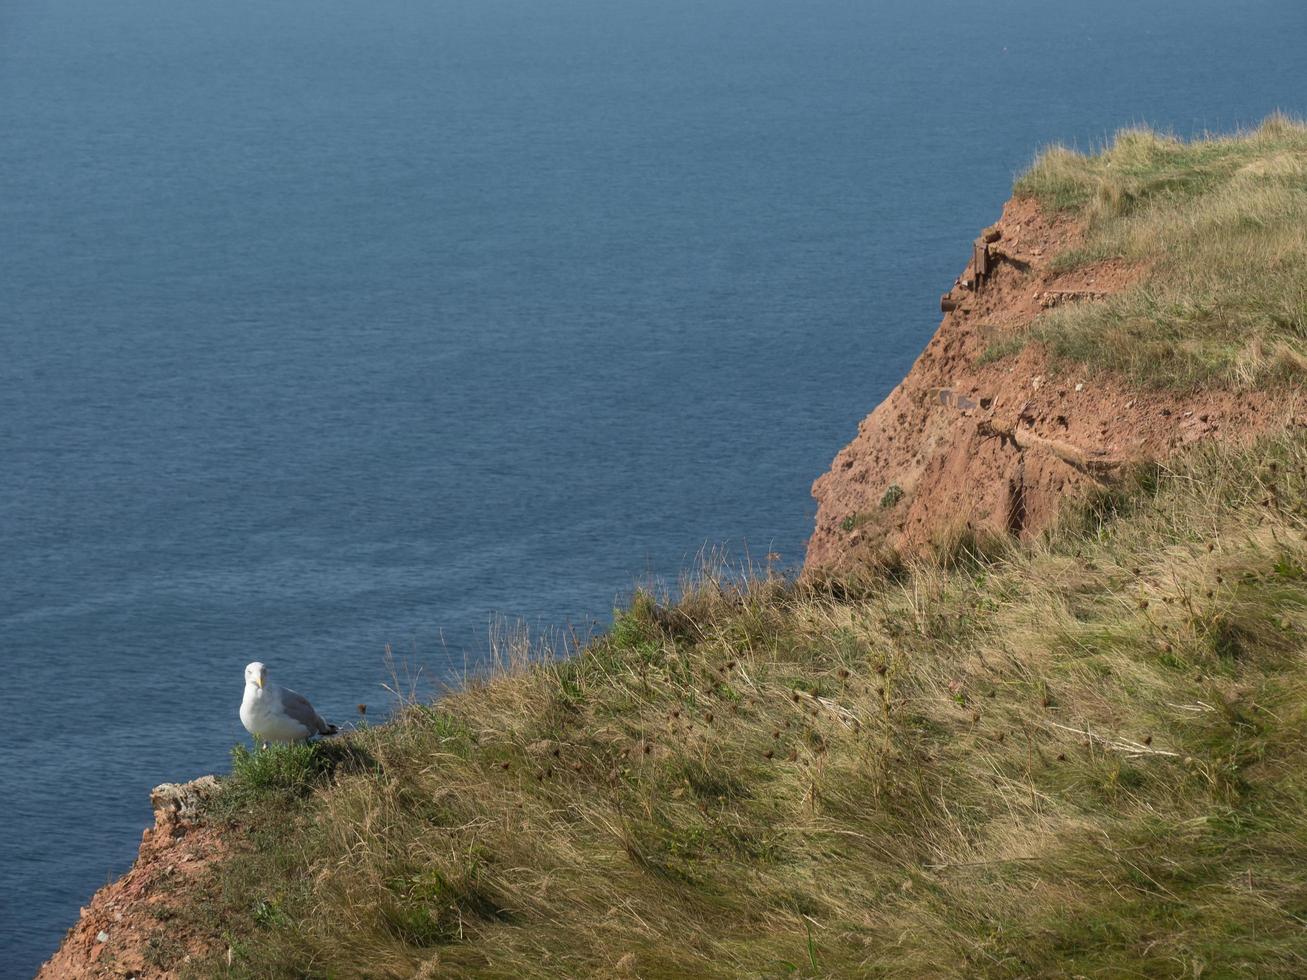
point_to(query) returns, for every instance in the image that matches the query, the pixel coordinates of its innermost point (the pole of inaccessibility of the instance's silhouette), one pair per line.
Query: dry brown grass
(1085, 757)
(1220, 225)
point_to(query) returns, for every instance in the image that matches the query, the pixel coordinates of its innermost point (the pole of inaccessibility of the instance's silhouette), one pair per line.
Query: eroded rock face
(182, 804)
(129, 928)
(964, 446)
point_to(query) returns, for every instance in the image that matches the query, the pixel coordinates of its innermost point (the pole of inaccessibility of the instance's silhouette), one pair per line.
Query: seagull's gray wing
(297, 706)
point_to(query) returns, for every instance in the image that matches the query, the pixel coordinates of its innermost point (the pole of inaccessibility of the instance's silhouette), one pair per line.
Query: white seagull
(277, 714)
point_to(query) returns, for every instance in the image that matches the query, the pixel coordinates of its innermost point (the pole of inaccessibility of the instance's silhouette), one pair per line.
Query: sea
(330, 328)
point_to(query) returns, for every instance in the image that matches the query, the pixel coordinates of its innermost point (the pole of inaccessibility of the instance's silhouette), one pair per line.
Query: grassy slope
(1220, 226)
(1084, 756)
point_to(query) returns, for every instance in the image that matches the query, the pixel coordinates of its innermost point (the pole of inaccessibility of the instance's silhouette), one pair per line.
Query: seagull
(277, 714)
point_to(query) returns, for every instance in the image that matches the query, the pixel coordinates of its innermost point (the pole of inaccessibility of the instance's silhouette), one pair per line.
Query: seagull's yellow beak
(259, 681)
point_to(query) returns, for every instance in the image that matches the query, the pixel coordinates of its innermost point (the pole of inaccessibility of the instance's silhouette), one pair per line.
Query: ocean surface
(336, 324)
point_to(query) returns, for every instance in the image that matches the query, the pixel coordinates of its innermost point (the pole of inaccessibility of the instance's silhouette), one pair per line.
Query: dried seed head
(776, 733)
(1148, 740)
(795, 696)
(880, 669)
(647, 748)
(730, 665)
(708, 717)
(768, 754)
(676, 713)
(503, 765)
(1061, 757)
(1211, 546)
(557, 752)
(844, 674)
(363, 709)
(576, 766)
(1001, 735)
(793, 756)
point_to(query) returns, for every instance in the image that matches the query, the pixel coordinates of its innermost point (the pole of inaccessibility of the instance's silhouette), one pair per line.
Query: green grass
(1218, 228)
(1087, 756)
(286, 773)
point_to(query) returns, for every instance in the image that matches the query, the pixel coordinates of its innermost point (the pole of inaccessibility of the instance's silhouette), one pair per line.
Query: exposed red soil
(997, 447)
(129, 929)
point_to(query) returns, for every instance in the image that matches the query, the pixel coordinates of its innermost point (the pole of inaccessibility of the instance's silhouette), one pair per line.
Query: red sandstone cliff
(962, 445)
(128, 930)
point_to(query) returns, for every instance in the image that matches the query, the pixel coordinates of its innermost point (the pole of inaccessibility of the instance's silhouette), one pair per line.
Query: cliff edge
(972, 443)
(126, 931)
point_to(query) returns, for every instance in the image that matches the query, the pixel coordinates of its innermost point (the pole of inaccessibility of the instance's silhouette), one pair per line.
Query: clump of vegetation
(286, 772)
(163, 951)
(1085, 756)
(1218, 227)
(892, 495)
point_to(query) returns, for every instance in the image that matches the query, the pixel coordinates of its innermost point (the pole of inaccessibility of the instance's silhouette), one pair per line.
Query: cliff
(1037, 708)
(125, 930)
(970, 444)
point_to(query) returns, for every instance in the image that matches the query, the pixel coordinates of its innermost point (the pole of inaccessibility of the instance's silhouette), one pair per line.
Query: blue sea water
(331, 324)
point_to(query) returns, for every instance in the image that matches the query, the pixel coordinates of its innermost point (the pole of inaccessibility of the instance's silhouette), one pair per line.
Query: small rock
(1080, 386)
(101, 936)
(181, 803)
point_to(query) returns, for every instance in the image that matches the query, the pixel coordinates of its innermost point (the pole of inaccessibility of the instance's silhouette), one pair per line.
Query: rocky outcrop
(129, 929)
(969, 444)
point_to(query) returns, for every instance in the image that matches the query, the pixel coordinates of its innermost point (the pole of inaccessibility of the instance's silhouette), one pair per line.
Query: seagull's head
(256, 673)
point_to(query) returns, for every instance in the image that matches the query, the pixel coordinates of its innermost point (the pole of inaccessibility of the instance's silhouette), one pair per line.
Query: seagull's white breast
(263, 717)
